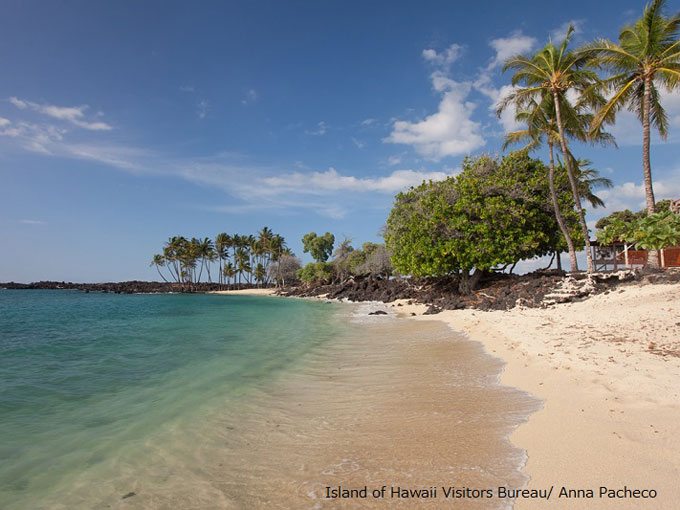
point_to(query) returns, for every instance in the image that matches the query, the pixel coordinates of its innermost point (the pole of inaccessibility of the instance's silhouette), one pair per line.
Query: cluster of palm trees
(565, 95)
(240, 258)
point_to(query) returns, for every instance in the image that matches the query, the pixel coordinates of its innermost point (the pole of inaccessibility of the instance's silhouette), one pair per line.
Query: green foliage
(495, 212)
(320, 247)
(315, 272)
(656, 232)
(629, 217)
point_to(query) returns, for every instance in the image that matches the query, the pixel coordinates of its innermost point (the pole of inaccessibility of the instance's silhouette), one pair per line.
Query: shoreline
(611, 411)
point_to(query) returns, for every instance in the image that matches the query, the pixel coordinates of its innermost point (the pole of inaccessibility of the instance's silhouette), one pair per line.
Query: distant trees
(493, 214)
(240, 258)
(370, 260)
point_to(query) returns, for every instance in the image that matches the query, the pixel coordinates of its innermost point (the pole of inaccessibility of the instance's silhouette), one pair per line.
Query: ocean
(213, 401)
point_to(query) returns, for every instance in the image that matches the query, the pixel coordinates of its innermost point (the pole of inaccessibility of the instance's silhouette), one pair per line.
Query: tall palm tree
(556, 71)
(221, 249)
(540, 120)
(648, 55)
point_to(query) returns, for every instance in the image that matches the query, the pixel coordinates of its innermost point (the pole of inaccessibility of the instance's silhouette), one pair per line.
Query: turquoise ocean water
(91, 384)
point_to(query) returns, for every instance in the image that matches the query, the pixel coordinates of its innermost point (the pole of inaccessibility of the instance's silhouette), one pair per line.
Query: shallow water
(241, 402)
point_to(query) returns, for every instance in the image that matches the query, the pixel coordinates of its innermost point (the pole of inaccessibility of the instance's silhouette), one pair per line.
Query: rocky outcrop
(496, 291)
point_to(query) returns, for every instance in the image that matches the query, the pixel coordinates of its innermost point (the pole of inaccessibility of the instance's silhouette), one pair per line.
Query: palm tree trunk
(574, 186)
(558, 214)
(159, 272)
(652, 255)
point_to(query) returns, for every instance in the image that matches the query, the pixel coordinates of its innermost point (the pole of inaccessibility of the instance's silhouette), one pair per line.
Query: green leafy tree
(648, 55)
(320, 247)
(496, 212)
(656, 232)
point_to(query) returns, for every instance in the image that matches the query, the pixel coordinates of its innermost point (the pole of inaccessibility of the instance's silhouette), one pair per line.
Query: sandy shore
(246, 292)
(611, 414)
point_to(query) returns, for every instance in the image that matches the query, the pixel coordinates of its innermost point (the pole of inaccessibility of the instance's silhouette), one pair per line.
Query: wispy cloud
(360, 144)
(320, 130)
(331, 181)
(72, 114)
(368, 122)
(506, 47)
(187, 88)
(32, 222)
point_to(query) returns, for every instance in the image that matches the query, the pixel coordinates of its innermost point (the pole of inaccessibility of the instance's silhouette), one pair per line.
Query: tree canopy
(496, 212)
(319, 247)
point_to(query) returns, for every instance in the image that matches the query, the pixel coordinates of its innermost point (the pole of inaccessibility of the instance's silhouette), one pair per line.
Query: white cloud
(449, 132)
(367, 122)
(72, 114)
(186, 88)
(631, 195)
(445, 58)
(319, 131)
(332, 181)
(506, 47)
(4, 122)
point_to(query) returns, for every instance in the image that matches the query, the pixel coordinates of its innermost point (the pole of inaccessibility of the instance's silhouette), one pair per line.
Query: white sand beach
(611, 414)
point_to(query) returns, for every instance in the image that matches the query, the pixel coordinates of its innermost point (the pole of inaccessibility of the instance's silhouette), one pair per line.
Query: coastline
(611, 412)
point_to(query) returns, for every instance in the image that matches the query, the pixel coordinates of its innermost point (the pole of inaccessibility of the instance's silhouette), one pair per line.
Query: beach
(611, 406)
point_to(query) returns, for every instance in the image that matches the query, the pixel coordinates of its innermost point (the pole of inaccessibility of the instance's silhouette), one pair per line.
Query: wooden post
(625, 255)
(663, 259)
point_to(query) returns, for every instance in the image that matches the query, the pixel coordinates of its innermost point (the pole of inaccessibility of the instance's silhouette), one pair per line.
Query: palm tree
(540, 120)
(259, 274)
(159, 261)
(221, 249)
(278, 246)
(556, 71)
(648, 54)
(207, 254)
(588, 180)
(228, 271)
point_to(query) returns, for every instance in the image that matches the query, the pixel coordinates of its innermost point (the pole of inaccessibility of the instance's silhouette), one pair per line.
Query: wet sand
(391, 403)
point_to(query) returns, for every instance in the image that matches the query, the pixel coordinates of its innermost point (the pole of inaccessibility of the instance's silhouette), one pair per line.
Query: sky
(124, 123)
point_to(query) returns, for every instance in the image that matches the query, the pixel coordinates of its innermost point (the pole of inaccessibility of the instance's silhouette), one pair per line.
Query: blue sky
(124, 123)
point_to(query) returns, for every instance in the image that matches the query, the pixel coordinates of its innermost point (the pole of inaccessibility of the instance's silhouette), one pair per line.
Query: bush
(315, 272)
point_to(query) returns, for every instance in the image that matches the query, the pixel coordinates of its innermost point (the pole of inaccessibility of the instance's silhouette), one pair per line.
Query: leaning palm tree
(556, 71)
(159, 261)
(648, 55)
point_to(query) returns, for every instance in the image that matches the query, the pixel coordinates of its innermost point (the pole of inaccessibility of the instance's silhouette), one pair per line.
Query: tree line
(240, 259)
